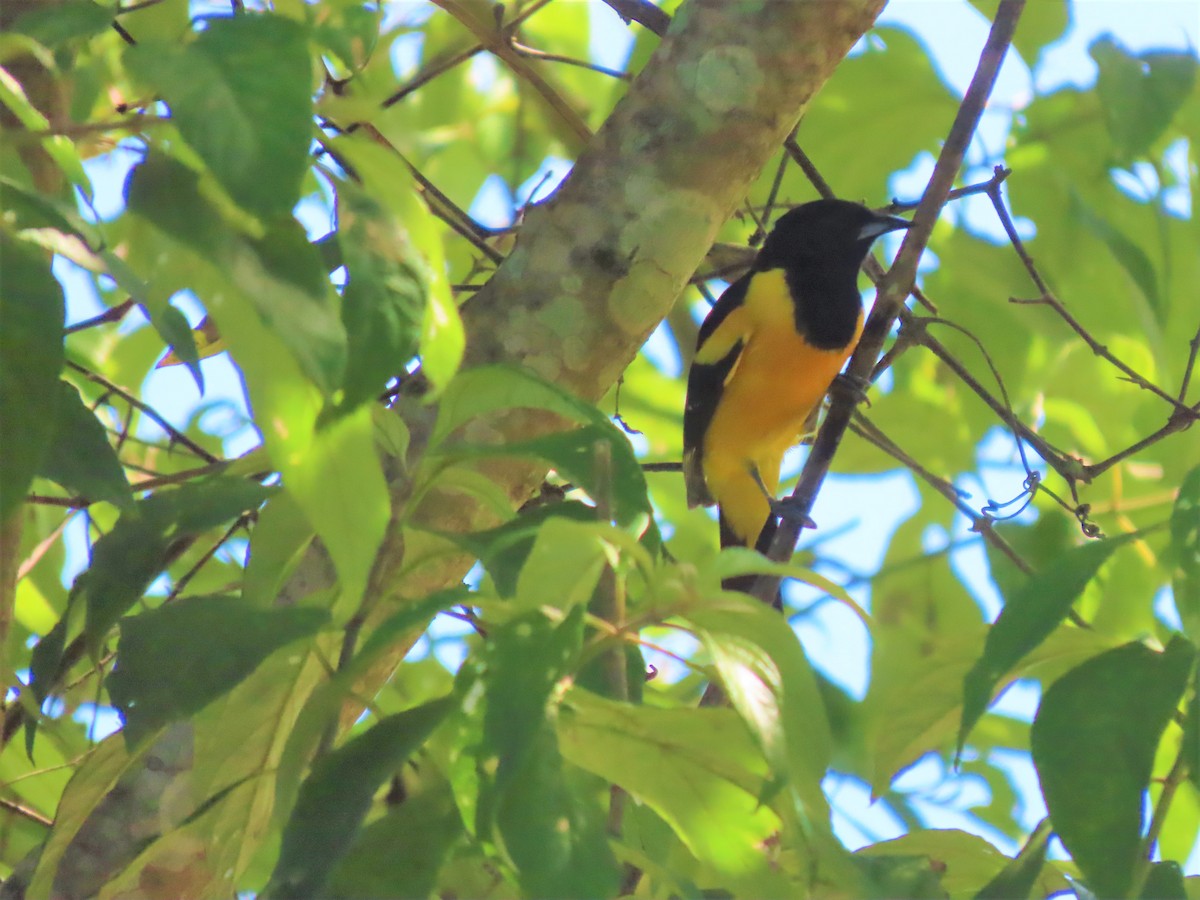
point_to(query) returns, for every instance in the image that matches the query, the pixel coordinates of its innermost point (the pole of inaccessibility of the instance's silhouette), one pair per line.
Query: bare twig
(1048, 298)
(806, 166)
(1177, 776)
(430, 72)
(1000, 173)
(174, 433)
(112, 314)
(773, 195)
(1174, 424)
(208, 554)
(25, 812)
(1069, 468)
(439, 204)
(534, 53)
(643, 12)
(495, 39)
(1194, 349)
(982, 525)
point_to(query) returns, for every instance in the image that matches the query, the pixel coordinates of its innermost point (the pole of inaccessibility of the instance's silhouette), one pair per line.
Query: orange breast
(777, 381)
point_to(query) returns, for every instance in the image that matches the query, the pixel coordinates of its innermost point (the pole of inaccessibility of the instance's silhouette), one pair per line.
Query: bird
(767, 353)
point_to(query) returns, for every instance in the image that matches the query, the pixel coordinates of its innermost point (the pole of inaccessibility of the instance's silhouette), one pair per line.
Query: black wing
(706, 383)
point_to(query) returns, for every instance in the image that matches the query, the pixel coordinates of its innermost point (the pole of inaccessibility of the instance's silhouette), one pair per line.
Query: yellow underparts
(777, 381)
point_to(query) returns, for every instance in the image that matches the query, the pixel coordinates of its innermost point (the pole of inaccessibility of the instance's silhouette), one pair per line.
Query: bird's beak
(882, 225)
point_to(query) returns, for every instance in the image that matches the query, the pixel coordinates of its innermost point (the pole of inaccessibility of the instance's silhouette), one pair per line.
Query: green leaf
(1140, 94)
(1093, 742)
(699, 769)
(1017, 879)
(490, 388)
(326, 701)
(911, 877)
(80, 458)
(512, 784)
(966, 860)
(53, 26)
(279, 276)
(267, 295)
(351, 31)
(44, 664)
(384, 298)
(554, 835)
(1164, 882)
(281, 534)
(893, 86)
(1191, 738)
(523, 662)
(442, 338)
(1184, 554)
(504, 549)
(31, 357)
(1040, 24)
(174, 660)
(597, 458)
(172, 326)
(564, 564)
(58, 147)
(772, 686)
(399, 855)
(240, 94)
(1128, 254)
(1028, 618)
(338, 482)
(100, 772)
(127, 559)
(335, 798)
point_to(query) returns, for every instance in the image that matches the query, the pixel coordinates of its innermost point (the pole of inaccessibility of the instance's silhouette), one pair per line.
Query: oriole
(767, 353)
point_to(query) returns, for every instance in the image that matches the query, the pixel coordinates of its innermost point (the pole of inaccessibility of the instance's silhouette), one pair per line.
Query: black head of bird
(825, 233)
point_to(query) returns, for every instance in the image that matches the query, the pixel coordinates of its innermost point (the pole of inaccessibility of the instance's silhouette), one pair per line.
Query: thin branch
(983, 525)
(895, 287)
(980, 524)
(208, 554)
(439, 204)
(65, 502)
(534, 53)
(1177, 776)
(806, 166)
(1069, 468)
(36, 554)
(644, 13)
(1174, 424)
(1048, 298)
(82, 129)
(430, 72)
(999, 174)
(495, 39)
(773, 194)
(25, 812)
(1194, 347)
(175, 434)
(114, 313)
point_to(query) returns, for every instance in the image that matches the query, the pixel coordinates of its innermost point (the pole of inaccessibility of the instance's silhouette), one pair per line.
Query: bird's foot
(791, 509)
(852, 387)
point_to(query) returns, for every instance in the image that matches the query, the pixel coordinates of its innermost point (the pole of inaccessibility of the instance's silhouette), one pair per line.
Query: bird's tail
(729, 538)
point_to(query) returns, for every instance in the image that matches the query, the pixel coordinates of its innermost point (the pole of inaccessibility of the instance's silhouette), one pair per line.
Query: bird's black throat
(827, 303)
